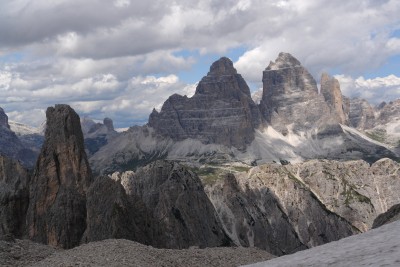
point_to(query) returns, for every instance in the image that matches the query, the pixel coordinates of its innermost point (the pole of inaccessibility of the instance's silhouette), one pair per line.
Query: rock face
(14, 198)
(290, 96)
(362, 114)
(330, 89)
(57, 208)
(178, 202)
(273, 209)
(393, 214)
(3, 119)
(11, 146)
(285, 208)
(221, 111)
(97, 135)
(111, 213)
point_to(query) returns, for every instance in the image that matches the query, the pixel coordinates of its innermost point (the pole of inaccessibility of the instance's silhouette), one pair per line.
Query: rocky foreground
(121, 252)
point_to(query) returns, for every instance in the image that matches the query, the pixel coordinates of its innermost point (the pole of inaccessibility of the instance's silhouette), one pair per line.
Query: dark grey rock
(221, 111)
(14, 198)
(113, 214)
(393, 214)
(178, 202)
(57, 208)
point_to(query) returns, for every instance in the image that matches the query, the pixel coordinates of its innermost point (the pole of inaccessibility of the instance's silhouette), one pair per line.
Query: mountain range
(303, 167)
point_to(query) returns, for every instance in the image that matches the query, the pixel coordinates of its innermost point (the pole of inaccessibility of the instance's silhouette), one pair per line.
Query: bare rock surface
(330, 89)
(291, 98)
(273, 209)
(377, 247)
(221, 110)
(393, 214)
(177, 200)
(128, 253)
(111, 213)
(14, 198)
(11, 146)
(57, 207)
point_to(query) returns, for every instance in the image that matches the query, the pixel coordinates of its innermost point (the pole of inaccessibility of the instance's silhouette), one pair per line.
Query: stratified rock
(330, 89)
(290, 97)
(14, 198)
(177, 199)
(362, 114)
(271, 208)
(113, 214)
(57, 208)
(393, 214)
(220, 112)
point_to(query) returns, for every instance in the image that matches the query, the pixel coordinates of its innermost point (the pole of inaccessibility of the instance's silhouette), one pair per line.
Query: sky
(122, 58)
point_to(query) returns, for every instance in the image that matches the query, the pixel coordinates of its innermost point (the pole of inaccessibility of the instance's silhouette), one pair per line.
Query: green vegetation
(351, 195)
(379, 136)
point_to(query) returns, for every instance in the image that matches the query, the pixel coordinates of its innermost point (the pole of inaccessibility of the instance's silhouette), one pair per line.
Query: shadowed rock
(178, 202)
(393, 214)
(14, 198)
(111, 213)
(57, 208)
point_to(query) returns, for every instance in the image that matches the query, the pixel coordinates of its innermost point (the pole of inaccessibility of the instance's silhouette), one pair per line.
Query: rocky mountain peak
(290, 95)
(3, 119)
(221, 111)
(57, 208)
(223, 66)
(109, 124)
(330, 89)
(284, 60)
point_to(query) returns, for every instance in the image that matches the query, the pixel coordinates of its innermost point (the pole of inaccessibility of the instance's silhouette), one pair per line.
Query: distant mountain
(12, 146)
(97, 135)
(221, 123)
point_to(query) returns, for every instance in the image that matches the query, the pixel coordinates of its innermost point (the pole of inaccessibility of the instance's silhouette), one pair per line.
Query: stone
(290, 97)
(393, 214)
(178, 202)
(3, 119)
(97, 135)
(57, 207)
(111, 213)
(330, 89)
(14, 198)
(271, 208)
(220, 112)
(362, 114)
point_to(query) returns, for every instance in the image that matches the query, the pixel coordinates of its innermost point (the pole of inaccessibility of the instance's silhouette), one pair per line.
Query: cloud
(374, 90)
(96, 53)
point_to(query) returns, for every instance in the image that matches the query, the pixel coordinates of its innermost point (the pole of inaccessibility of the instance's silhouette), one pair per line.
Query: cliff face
(290, 96)
(272, 209)
(330, 89)
(11, 146)
(287, 208)
(221, 111)
(14, 198)
(177, 200)
(57, 208)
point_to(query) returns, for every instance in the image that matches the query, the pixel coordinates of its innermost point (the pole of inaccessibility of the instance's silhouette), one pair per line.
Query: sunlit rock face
(290, 97)
(221, 111)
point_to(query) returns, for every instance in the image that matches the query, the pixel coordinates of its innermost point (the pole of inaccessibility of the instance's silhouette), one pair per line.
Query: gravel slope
(120, 252)
(377, 247)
